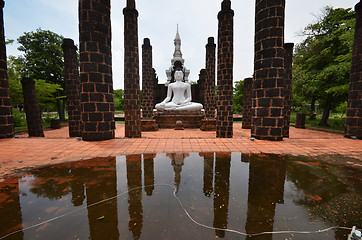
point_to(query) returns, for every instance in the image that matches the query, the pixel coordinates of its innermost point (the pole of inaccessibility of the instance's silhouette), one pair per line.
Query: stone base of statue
(189, 118)
(208, 125)
(149, 125)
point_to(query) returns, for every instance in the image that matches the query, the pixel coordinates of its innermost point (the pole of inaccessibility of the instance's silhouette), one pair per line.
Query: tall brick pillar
(201, 86)
(224, 122)
(132, 111)
(247, 103)
(354, 108)
(209, 104)
(72, 86)
(96, 70)
(288, 67)
(6, 116)
(31, 107)
(268, 99)
(147, 80)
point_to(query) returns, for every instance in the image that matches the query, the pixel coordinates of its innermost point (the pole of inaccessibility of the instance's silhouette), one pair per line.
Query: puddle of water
(131, 197)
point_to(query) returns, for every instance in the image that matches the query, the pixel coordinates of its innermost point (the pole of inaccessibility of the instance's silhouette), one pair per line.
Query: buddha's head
(179, 75)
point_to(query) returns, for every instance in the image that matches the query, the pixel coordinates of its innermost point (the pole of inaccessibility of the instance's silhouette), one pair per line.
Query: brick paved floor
(56, 147)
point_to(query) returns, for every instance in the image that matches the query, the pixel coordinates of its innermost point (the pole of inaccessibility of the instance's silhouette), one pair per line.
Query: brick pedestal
(247, 103)
(72, 86)
(208, 125)
(224, 123)
(189, 119)
(132, 106)
(209, 98)
(149, 125)
(300, 120)
(354, 109)
(96, 70)
(6, 117)
(147, 80)
(268, 100)
(288, 67)
(31, 107)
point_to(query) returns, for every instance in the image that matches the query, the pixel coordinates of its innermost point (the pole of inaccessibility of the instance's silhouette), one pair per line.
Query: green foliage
(45, 93)
(118, 99)
(238, 96)
(43, 56)
(19, 118)
(322, 62)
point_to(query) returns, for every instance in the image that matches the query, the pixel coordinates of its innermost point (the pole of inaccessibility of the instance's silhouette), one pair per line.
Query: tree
(118, 99)
(238, 96)
(45, 91)
(322, 62)
(43, 60)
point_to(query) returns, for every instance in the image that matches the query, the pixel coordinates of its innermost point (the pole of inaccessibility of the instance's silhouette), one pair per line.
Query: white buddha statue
(181, 96)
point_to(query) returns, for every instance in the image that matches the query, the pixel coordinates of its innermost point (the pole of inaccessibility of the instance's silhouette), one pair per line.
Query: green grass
(335, 121)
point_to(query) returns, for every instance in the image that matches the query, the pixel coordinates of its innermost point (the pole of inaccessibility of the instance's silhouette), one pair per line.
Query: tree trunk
(313, 114)
(327, 109)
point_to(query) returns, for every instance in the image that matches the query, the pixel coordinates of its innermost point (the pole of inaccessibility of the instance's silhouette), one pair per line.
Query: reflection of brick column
(247, 102)
(288, 66)
(224, 124)
(72, 85)
(6, 117)
(132, 111)
(209, 104)
(31, 107)
(354, 109)
(267, 122)
(221, 192)
(147, 79)
(96, 70)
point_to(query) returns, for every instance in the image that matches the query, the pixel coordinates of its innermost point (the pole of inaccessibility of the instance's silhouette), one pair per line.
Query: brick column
(209, 104)
(201, 86)
(224, 122)
(288, 67)
(72, 86)
(132, 111)
(147, 80)
(354, 109)
(31, 107)
(247, 103)
(96, 70)
(268, 100)
(6, 116)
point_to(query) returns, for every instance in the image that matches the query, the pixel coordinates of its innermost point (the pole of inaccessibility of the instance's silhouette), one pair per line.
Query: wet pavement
(149, 196)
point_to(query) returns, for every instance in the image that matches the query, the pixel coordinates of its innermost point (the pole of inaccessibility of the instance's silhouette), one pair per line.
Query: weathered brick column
(247, 103)
(288, 68)
(354, 108)
(72, 86)
(6, 117)
(201, 86)
(132, 111)
(147, 80)
(224, 122)
(209, 104)
(96, 70)
(268, 100)
(31, 107)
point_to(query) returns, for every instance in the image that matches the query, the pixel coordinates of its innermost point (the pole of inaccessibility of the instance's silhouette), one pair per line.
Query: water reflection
(266, 188)
(250, 193)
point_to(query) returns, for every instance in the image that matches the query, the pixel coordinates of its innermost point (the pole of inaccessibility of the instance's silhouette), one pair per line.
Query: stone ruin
(267, 95)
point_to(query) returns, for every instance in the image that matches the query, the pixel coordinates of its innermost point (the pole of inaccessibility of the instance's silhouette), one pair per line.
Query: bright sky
(197, 20)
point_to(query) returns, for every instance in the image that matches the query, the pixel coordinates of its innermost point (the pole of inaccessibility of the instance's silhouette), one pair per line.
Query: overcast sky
(197, 20)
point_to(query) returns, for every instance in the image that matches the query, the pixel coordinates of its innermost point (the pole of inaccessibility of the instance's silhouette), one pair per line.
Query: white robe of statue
(181, 96)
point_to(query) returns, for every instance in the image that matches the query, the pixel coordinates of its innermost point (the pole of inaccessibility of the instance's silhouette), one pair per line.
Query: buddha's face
(179, 75)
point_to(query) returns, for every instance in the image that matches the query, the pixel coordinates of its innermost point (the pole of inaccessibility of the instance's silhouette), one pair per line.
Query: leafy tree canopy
(322, 62)
(238, 96)
(43, 56)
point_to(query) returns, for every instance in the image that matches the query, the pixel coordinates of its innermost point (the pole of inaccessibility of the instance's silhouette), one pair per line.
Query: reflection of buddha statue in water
(181, 96)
